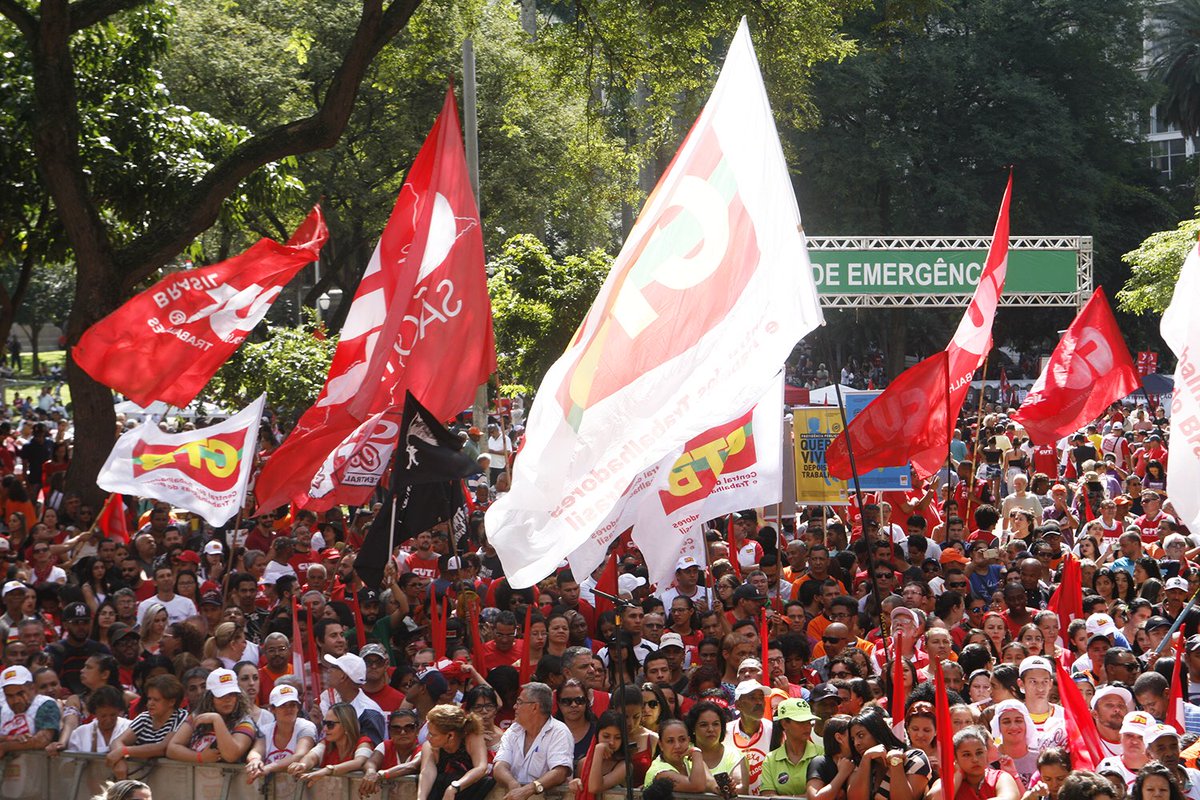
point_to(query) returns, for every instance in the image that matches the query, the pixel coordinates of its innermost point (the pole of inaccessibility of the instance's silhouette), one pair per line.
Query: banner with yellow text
(204, 471)
(814, 429)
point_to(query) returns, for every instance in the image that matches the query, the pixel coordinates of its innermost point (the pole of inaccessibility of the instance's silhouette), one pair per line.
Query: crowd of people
(769, 670)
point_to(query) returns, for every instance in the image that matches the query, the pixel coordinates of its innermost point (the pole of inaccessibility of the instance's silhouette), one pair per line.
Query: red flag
(167, 342)
(1178, 680)
(1089, 370)
(765, 634)
(1086, 749)
(899, 695)
(112, 521)
(972, 339)
(1005, 386)
(607, 583)
(478, 655)
(527, 647)
(733, 548)
(297, 647)
(1067, 600)
(907, 419)
(941, 710)
(586, 772)
(360, 627)
(423, 300)
(313, 659)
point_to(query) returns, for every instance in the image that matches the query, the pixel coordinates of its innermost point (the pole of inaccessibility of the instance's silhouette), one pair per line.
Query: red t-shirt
(501, 658)
(388, 698)
(1045, 460)
(425, 567)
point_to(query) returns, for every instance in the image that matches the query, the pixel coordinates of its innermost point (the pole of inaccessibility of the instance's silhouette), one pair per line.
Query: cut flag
(706, 300)
(204, 471)
(909, 418)
(973, 337)
(1067, 600)
(420, 321)
(167, 342)
(112, 521)
(1089, 370)
(1180, 329)
(1086, 748)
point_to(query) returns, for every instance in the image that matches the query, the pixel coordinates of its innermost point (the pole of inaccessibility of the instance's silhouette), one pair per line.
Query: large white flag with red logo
(420, 321)
(709, 295)
(973, 337)
(735, 465)
(168, 341)
(204, 471)
(1180, 329)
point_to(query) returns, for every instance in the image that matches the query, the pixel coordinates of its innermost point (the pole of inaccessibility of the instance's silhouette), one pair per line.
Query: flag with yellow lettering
(729, 467)
(204, 471)
(704, 303)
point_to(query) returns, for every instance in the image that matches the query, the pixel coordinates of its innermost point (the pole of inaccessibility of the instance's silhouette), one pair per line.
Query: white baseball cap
(1156, 732)
(626, 583)
(354, 667)
(214, 548)
(1108, 690)
(15, 676)
(749, 687)
(671, 640)
(1035, 662)
(749, 663)
(1101, 625)
(12, 586)
(1177, 583)
(283, 694)
(222, 682)
(1138, 722)
(686, 562)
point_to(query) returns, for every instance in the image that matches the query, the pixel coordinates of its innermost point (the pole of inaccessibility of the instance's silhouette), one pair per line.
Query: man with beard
(28, 723)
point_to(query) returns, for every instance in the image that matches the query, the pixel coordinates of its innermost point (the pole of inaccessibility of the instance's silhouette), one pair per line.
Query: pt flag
(707, 298)
(1089, 370)
(973, 337)
(420, 321)
(204, 471)
(910, 417)
(167, 342)
(735, 465)
(1180, 329)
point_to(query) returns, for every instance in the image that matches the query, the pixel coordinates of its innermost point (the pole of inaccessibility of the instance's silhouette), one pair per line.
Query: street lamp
(328, 300)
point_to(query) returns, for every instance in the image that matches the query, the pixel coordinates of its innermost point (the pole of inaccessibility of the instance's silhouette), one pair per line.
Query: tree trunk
(897, 340)
(35, 363)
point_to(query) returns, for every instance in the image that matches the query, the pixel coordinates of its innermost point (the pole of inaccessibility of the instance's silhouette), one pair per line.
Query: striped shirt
(145, 732)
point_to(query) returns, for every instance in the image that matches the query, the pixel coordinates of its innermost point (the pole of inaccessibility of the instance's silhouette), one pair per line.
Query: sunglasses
(409, 728)
(572, 701)
(830, 639)
(978, 609)
(650, 703)
(957, 585)
(329, 723)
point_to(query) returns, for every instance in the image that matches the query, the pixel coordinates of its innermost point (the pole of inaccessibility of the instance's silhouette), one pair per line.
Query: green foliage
(1176, 30)
(289, 364)
(1155, 268)
(537, 303)
(49, 296)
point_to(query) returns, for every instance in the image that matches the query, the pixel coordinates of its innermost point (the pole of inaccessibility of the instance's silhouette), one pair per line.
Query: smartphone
(993, 553)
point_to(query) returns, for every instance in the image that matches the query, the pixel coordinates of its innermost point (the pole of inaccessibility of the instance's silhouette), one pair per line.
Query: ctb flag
(204, 471)
(168, 341)
(909, 418)
(1089, 370)
(706, 300)
(426, 487)
(1180, 329)
(420, 321)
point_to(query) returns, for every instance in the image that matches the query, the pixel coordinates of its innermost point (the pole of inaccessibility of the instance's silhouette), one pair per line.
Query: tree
(288, 363)
(1175, 27)
(1155, 266)
(50, 294)
(537, 303)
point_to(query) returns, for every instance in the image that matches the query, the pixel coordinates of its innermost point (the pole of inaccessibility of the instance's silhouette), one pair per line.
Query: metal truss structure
(1080, 244)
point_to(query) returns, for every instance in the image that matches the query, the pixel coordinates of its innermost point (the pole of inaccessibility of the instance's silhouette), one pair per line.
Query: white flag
(730, 467)
(706, 300)
(1180, 329)
(204, 471)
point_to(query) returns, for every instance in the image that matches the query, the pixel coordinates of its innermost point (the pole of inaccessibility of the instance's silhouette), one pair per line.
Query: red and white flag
(1180, 329)
(1089, 370)
(420, 321)
(707, 298)
(168, 341)
(204, 471)
(909, 418)
(735, 465)
(973, 337)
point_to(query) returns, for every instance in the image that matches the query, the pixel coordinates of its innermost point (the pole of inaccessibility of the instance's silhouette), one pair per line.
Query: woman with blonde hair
(123, 790)
(152, 622)
(228, 645)
(454, 756)
(342, 750)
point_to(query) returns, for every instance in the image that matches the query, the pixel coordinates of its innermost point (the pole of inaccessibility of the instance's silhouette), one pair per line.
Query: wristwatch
(895, 761)
(455, 785)
(538, 788)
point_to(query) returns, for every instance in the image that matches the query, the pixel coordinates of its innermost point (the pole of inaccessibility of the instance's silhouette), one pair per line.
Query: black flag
(426, 488)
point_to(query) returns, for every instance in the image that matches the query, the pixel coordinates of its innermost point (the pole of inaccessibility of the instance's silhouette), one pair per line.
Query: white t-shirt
(274, 752)
(669, 594)
(500, 445)
(87, 738)
(179, 608)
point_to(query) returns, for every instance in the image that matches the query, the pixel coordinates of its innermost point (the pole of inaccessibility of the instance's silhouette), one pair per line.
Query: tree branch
(86, 13)
(200, 206)
(18, 15)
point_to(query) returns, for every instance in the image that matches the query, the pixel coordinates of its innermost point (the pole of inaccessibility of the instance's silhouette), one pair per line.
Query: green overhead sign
(939, 272)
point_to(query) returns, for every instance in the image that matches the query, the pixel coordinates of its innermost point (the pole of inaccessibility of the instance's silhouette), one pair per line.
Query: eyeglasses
(329, 723)
(409, 728)
(522, 701)
(956, 585)
(977, 609)
(483, 707)
(650, 704)
(572, 701)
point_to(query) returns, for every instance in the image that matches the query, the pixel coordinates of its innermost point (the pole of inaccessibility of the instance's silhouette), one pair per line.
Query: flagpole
(883, 633)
